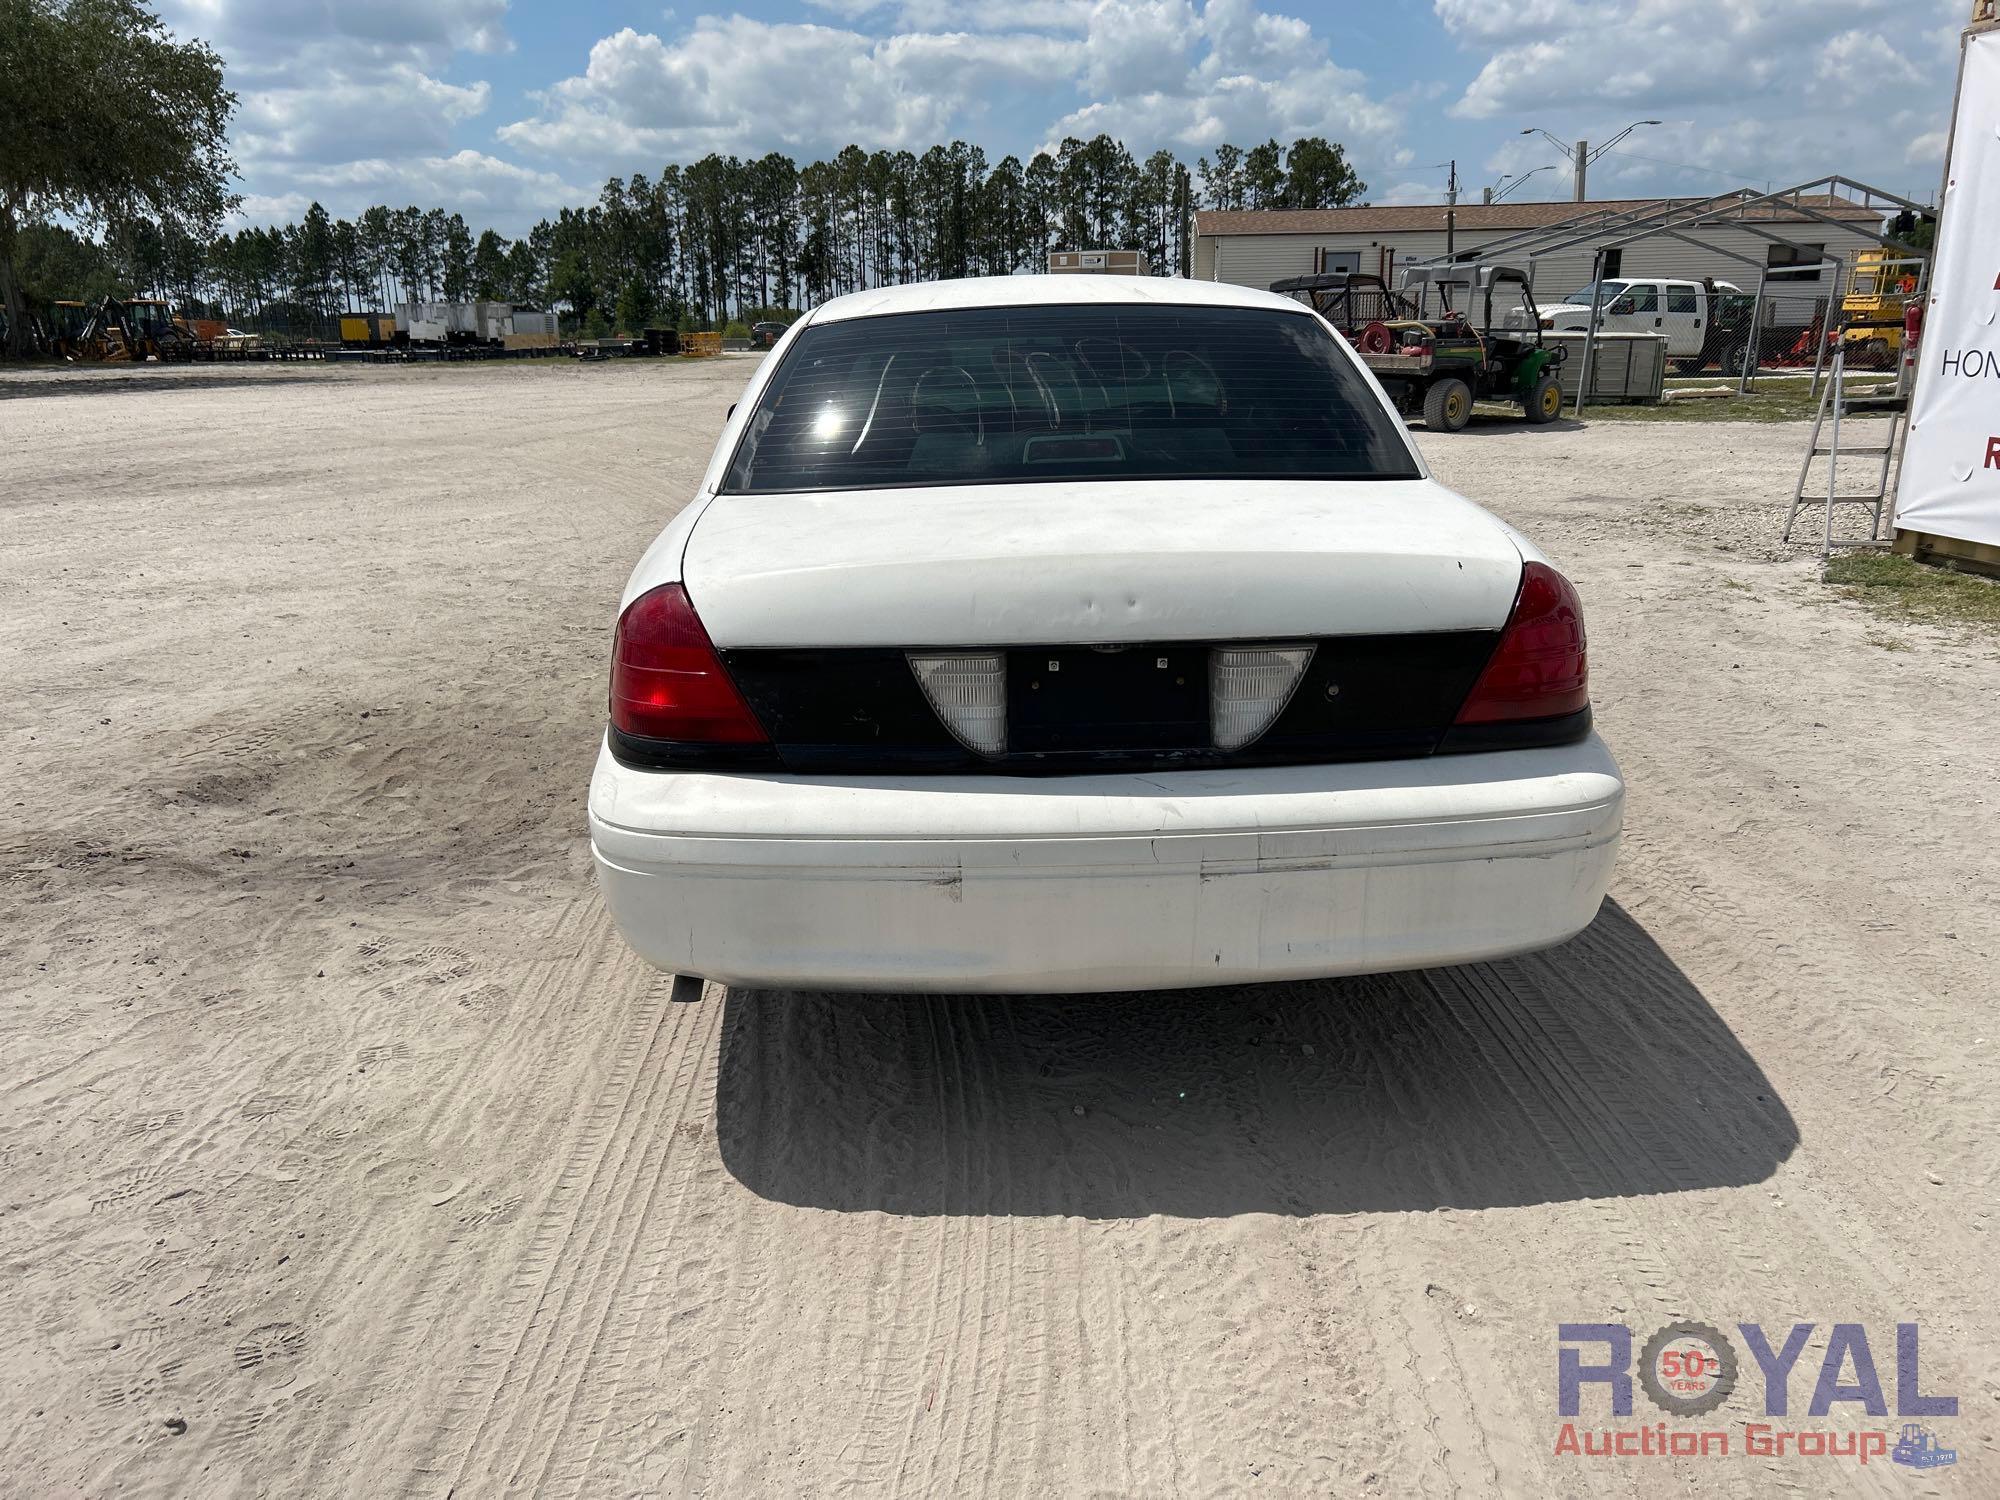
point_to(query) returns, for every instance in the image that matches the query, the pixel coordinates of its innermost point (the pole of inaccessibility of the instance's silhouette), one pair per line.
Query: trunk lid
(1097, 563)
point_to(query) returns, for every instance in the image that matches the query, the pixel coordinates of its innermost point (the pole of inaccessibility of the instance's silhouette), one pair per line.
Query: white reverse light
(970, 695)
(1248, 687)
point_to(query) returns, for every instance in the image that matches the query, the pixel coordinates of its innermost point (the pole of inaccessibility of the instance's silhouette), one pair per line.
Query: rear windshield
(1002, 395)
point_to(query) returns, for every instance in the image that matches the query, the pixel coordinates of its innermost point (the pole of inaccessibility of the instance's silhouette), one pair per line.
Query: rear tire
(1733, 357)
(1545, 402)
(1448, 406)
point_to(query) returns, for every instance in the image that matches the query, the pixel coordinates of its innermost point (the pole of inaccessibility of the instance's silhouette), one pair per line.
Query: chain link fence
(1782, 331)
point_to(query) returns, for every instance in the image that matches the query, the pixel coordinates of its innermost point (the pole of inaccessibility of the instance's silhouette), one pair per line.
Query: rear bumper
(1015, 884)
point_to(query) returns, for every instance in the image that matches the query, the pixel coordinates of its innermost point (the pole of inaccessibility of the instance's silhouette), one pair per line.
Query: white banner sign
(1951, 467)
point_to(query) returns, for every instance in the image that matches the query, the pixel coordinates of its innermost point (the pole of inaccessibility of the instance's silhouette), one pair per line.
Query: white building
(1257, 247)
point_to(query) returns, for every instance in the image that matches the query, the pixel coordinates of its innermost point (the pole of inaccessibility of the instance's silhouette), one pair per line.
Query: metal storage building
(1256, 247)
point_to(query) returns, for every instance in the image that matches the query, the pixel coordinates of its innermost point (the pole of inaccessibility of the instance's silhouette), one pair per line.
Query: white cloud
(1138, 46)
(339, 116)
(471, 182)
(1667, 53)
(336, 95)
(1233, 73)
(485, 189)
(1495, 21)
(1243, 39)
(965, 15)
(812, 88)
(848, 10)
(358, 101)
(269, 32)
(1177, 73)
(1409, 191)
(1751, 90)
(1862, 62)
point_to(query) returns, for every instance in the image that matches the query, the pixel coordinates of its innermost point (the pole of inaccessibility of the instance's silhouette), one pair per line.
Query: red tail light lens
(1538, 669)
(667, 683)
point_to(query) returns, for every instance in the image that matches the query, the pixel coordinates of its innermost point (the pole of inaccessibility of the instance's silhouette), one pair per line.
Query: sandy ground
(344, 1150)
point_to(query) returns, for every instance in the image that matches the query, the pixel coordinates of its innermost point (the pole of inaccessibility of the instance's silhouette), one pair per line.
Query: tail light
(1538, 669)
(667, 683)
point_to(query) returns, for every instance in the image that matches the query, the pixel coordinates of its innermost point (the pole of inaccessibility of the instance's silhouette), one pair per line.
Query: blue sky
(506, 111)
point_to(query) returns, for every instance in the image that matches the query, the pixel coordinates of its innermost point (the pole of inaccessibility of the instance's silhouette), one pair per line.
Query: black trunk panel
(860, 710)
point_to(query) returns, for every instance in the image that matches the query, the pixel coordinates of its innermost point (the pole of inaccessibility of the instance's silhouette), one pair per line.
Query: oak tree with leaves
(106, 119)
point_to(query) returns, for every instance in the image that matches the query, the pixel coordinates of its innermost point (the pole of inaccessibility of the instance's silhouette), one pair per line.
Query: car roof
(1047, 291)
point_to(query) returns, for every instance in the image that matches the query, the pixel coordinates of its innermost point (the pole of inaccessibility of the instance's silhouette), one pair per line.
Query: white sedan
(1089, 633)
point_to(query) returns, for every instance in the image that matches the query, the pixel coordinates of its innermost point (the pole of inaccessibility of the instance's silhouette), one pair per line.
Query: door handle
(1656, 322)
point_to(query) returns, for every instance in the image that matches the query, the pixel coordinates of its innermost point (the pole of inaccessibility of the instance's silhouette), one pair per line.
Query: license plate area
(1131, 698)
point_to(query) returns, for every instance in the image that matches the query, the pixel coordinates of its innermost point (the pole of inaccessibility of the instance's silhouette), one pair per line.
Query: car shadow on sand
(1592, 1070)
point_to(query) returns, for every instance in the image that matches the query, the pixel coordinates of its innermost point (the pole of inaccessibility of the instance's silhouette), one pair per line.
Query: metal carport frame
(1676, 219)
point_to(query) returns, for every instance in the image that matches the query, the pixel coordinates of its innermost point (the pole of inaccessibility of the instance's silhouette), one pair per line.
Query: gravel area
(345, 1150)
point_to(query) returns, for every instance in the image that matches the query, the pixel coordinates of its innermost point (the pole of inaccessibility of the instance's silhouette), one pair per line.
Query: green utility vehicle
(1482, 343)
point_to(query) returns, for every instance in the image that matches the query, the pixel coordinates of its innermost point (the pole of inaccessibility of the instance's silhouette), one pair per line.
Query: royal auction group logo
(1690, 1369)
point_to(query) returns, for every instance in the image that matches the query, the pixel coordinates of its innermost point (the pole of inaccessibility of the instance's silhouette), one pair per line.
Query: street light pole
(1508, 182)
(1580, 156)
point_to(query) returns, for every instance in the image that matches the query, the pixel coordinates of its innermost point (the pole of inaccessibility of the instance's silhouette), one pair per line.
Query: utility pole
(1582, 159)
(1451, 213)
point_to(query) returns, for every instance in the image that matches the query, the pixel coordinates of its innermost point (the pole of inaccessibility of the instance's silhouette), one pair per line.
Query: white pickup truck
(1682, 310)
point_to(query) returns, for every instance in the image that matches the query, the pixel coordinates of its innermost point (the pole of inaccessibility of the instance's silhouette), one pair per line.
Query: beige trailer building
(1257, 247)
(1101, 262)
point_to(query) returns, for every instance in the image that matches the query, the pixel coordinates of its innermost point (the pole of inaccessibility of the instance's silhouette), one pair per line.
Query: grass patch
(1903, 589)
(1770, 404)
(1779, 398)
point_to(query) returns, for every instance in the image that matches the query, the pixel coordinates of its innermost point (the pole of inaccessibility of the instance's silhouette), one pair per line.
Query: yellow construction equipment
(127, 332)
(1871, 313)
(66, 322)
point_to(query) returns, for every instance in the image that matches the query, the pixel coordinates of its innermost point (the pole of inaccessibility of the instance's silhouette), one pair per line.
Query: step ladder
(1834, 404)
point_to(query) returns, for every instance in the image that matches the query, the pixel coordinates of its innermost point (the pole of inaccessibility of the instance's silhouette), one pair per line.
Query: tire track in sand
(513, 1407)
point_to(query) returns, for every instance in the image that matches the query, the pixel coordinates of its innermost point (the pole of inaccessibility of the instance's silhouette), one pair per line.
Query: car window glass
(1681, 302)
(1645, 297)
(1018, 394)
